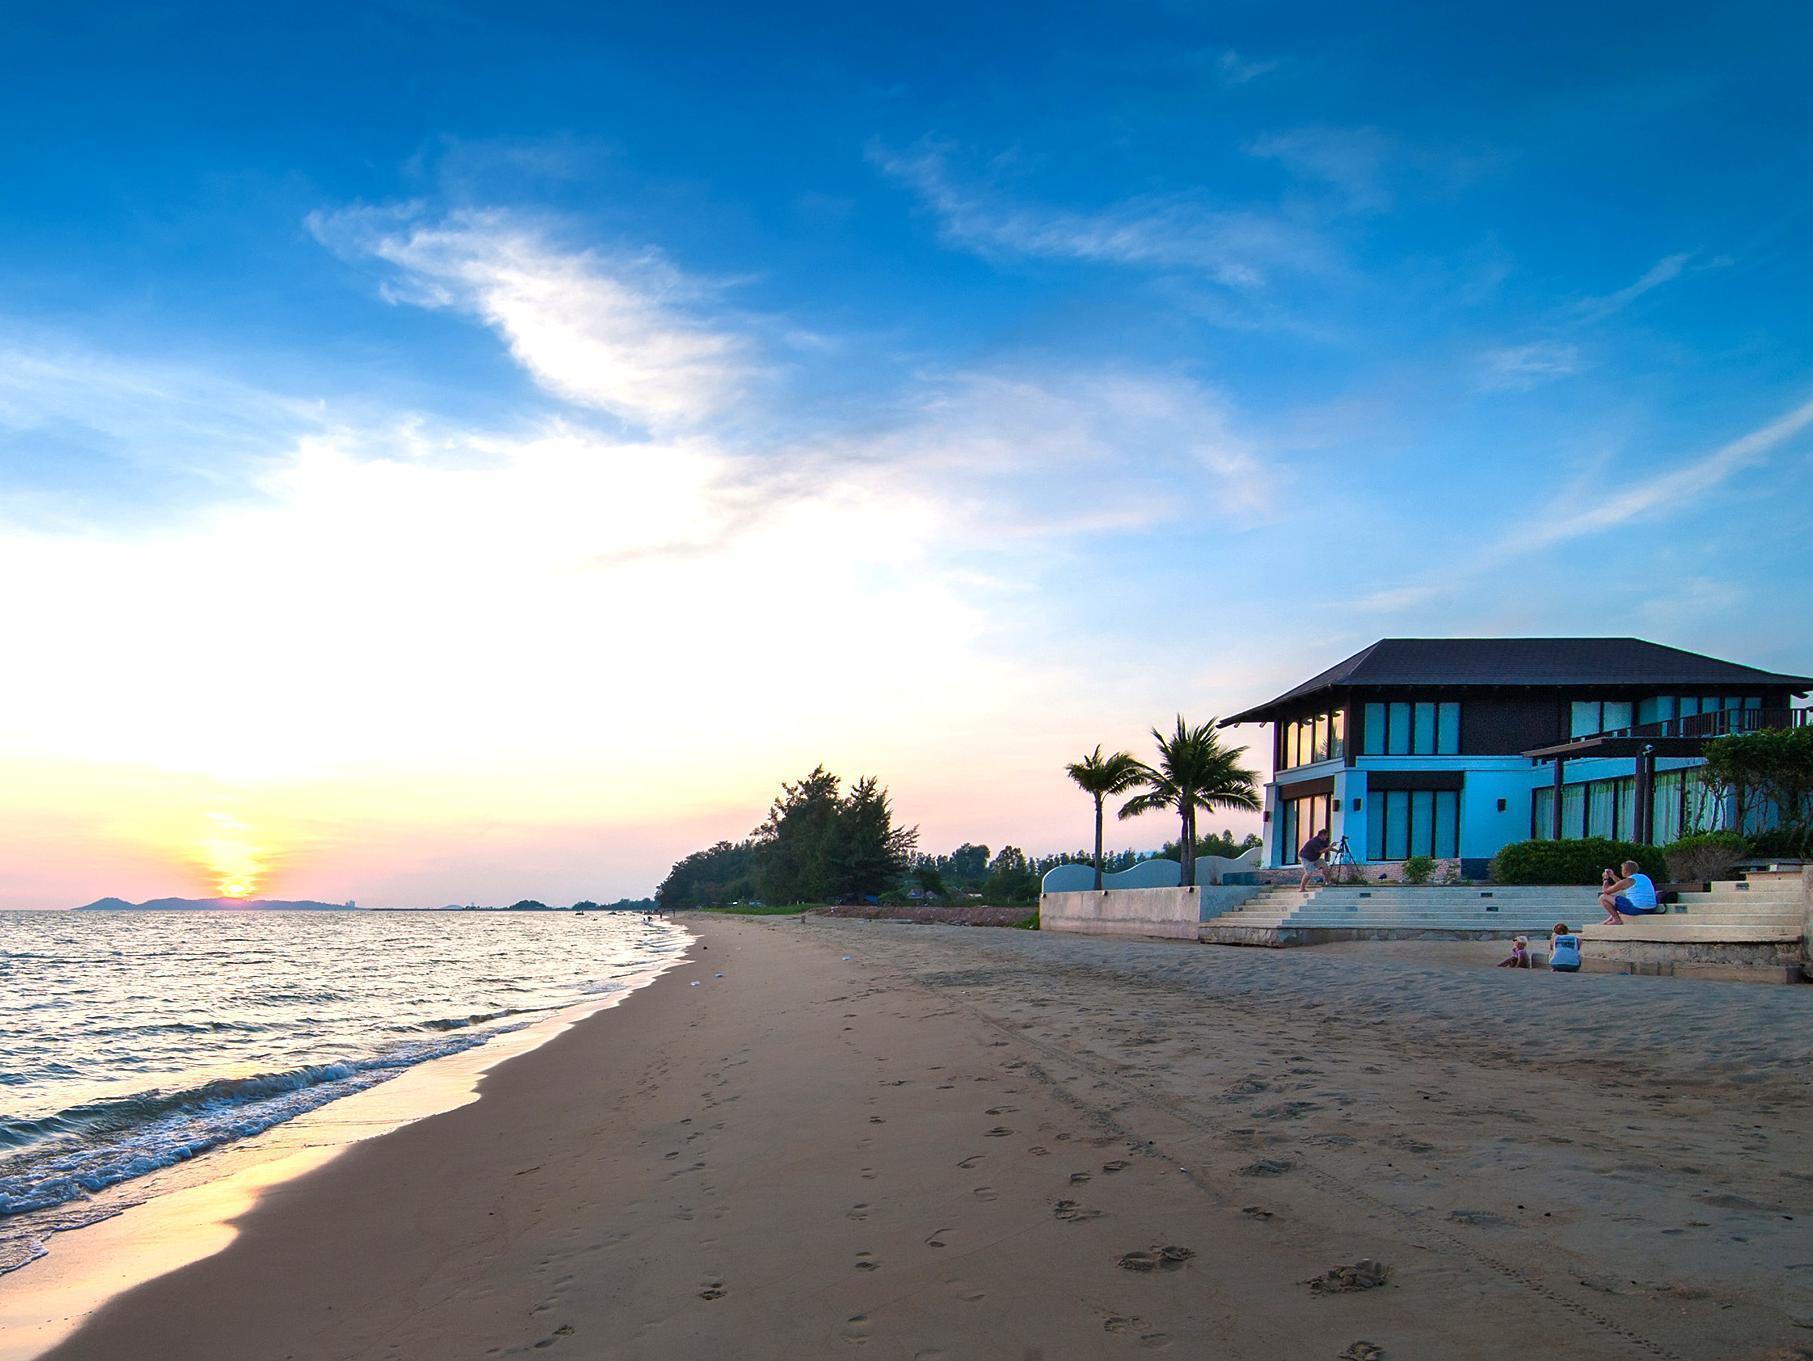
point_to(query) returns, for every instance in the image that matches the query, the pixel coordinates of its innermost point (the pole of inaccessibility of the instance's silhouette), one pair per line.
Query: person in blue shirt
(1564, 950)
(1634, 894)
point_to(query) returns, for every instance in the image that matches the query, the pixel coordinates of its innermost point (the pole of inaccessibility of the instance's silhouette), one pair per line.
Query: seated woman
(1634, 894)
(1564, 950)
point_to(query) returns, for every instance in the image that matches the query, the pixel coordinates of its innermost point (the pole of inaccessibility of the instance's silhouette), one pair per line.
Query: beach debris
(1072, 1213)
(1168, 1258)
(695, 983)
(1267, 1167)
(1362, 1351)
(1483, 1219)
(846, 959)
(717, 975)
(1365, 1274)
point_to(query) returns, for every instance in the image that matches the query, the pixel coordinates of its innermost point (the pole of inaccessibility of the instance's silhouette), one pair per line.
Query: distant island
(212, 905)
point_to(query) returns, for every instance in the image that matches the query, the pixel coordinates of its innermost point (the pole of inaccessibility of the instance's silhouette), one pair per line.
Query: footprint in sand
(1078, 1178)
(1118, 1165)
(1001, 1110)
(1072, 1213)
(865, 1261)
(855, 1330)
(712, 1290)
(984, 1193)
(972, 1160)
(937, 1238)
(966, 1292)
(868, 1174)
(1168, 1258)
(998, 1132)
(857, 1212)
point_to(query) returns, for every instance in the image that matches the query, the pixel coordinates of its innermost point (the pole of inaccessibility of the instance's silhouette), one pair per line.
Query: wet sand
(990, 1143)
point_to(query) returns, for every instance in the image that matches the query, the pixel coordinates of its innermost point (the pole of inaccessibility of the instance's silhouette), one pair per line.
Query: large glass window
(1298, 820)
(1599, 809)
(1315, 738)
(1573, 811)
(1447, 823)
(1617, 715)
(1422, 728)
(1406, 822)
(1585, 718)
(1666, 801)
(1397, 729)
(1542, 814)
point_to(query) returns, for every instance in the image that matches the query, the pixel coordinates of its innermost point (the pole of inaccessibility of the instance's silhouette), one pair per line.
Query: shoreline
(925, 1142)
(82, 1270)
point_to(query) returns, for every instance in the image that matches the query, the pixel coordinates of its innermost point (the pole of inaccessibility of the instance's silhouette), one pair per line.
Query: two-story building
(1455, 747)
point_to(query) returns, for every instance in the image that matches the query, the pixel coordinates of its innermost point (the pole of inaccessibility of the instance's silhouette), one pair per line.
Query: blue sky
(1068, 365)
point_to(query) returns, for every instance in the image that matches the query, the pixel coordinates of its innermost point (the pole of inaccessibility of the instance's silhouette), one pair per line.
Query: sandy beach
(873, 1140)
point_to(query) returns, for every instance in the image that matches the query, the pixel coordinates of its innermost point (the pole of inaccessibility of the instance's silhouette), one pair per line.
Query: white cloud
(620, 333)
(1238, 249)
(1639, 497)
(1665, 270)
(1234, 69)
(1518, 368)
(1350, 159)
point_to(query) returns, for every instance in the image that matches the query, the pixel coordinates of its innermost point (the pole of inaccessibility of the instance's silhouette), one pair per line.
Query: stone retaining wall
(1171, 913)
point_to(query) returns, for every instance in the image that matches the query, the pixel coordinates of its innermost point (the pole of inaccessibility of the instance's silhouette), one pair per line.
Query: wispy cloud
(1351, 160)
(622, 333)
(1644, 496)
(1233, 69)
(1665, 270)
(1241, 249)
(1517, 368)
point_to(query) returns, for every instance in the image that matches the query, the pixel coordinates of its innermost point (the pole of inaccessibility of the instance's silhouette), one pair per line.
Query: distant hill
(210, 905)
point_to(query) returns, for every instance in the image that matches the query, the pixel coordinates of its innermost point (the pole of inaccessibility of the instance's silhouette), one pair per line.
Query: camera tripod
(1338, 865)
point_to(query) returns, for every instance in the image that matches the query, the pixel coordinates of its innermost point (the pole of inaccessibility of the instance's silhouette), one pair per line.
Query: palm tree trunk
(1098, 843)
(1186, 848)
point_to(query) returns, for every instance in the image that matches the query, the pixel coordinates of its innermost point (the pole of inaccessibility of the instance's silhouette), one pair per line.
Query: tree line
(821, 843)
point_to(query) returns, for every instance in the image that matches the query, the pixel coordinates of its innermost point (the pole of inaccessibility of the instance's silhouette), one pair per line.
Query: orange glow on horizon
(231, 856)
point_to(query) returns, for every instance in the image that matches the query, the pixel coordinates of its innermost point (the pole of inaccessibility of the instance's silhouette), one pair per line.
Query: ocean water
(132, 1041)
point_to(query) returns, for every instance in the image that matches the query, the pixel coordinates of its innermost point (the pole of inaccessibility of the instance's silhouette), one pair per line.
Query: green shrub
(1572, 862)
(1786, 843)
(1031, 923)
(1705, 855)
(1418, 869)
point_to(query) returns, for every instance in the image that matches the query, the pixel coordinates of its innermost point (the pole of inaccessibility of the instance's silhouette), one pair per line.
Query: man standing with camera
(1311, 856)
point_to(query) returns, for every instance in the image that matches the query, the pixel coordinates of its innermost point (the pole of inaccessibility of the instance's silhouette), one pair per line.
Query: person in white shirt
(1633, 895)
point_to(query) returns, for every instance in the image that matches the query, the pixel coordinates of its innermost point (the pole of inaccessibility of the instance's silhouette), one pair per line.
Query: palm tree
(1194, 771)
(1099, 776)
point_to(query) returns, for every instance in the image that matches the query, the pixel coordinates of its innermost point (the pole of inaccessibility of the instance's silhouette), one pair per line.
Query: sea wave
(84, 1149)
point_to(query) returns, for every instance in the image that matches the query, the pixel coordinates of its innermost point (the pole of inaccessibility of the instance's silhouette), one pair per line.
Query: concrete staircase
(1758, 920)
(1284, 916)
(1760, 907)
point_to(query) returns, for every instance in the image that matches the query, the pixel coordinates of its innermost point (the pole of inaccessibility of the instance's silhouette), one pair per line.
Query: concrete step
(1687, 933)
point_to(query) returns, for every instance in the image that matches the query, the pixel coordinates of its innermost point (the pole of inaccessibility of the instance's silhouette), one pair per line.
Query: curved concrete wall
(1146, 874)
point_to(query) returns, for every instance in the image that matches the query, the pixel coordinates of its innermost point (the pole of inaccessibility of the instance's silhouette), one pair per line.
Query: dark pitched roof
(1411, 662)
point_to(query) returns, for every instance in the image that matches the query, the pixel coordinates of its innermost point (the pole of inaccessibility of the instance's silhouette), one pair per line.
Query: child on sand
(1564, 950)
(1520, 955)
